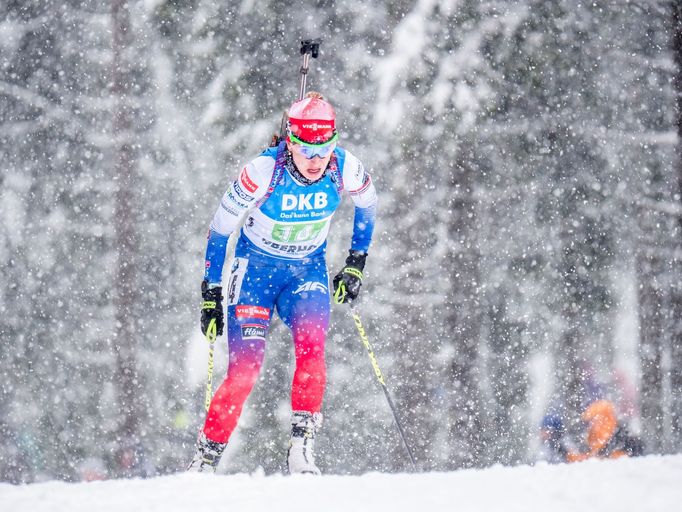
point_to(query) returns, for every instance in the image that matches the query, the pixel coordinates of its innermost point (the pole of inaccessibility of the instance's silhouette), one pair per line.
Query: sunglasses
(310, 151)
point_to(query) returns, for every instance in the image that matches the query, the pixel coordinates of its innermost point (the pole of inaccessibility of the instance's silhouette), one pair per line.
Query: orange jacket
(602, 425)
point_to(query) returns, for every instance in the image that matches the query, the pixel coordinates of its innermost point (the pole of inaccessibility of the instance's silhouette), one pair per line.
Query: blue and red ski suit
(280, 265)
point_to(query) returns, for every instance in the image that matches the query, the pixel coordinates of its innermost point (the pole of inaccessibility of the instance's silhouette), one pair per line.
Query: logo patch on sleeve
(253, 331)
(247, 182)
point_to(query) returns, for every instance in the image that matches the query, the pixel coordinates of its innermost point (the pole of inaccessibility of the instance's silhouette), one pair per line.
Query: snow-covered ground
(638, 485)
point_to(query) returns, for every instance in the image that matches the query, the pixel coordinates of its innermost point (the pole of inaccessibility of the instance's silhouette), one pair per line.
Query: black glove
(347, 283)
(212, 310)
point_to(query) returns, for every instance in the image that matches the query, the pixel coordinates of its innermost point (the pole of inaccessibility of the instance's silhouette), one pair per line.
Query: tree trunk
(676, 335)
(508, 368)
(651, 335)
(569, 360)
(464, 320)
(125, 237)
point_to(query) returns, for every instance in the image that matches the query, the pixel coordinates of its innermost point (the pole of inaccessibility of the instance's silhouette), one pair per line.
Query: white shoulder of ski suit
(251, 185)
(358, 182)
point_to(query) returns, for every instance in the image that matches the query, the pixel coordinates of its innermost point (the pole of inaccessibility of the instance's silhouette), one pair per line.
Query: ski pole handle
(211, 335)
(365, 341)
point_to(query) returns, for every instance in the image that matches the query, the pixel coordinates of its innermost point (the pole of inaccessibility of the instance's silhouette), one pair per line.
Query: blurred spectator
(92, 469)
(131, 461)
(605, 436)
(552, 436)
(592, 386)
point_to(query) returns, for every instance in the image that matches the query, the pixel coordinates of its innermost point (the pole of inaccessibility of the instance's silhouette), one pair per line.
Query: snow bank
(637, 485)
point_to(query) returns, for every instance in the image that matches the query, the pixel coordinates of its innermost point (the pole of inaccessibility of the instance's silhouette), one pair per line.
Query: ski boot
(207, 456)
(301, 453)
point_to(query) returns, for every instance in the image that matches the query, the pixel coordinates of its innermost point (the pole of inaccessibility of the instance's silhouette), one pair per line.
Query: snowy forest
(527, 255)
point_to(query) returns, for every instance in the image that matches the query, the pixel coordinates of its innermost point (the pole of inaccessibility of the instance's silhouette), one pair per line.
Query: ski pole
(211, 335)
(380, 377)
